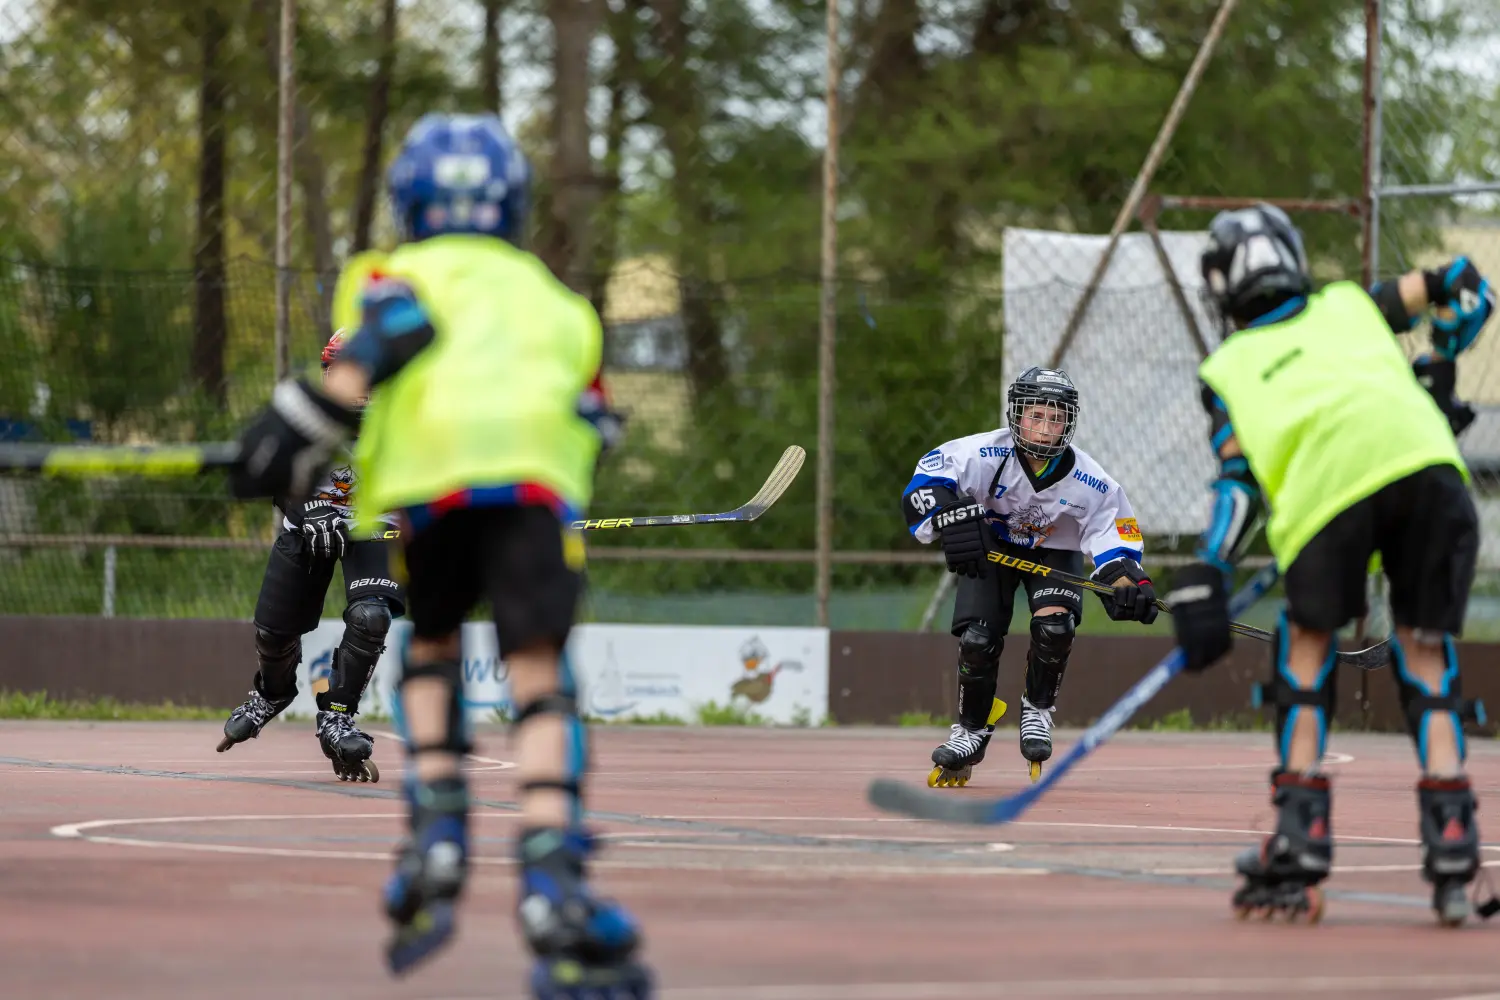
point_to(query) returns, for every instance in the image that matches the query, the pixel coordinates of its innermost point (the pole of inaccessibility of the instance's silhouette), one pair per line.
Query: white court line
(1337, 869)
(635, 839)
(998, 987)
(79, 831)
(1328, 758)
(1185, 986)
(714, 818)
(496, 765)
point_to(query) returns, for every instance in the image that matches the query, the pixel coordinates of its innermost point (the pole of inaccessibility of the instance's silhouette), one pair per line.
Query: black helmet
(1253, 263)
(1049, 387)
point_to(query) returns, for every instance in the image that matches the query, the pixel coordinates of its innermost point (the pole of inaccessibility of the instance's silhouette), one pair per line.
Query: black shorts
(295, 585)
(1426, 530)
(992, 597)
(512, 556)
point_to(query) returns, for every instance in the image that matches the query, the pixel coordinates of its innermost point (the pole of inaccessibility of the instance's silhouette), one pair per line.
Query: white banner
(779, 675)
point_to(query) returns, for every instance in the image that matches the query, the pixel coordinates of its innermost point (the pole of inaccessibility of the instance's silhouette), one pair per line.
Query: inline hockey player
(315, 537)
(1316, 416)
(1006, 505)
(485, 421)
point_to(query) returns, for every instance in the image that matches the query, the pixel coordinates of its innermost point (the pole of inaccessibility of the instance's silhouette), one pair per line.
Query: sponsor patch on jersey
(1129, 531)
(932, 461)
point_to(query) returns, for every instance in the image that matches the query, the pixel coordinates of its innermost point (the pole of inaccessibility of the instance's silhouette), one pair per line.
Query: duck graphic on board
(760, 676)
(607, 697)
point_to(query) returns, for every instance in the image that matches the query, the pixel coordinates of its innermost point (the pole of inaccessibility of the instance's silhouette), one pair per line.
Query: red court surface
(135, 862)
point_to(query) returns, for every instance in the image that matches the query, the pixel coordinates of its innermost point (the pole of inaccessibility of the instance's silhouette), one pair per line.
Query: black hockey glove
(1131, 602)
(290, 443)
(1461, 288)
(960, 528)
(1440, 378)
(326, 530)
(1200, 614)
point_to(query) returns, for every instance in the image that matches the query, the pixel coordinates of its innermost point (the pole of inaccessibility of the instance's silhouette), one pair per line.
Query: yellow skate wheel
(997, 712)
(1035, 770)
(963, 781)
(935, 779)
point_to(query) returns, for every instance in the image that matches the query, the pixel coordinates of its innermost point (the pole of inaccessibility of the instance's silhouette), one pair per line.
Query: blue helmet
(459, 174)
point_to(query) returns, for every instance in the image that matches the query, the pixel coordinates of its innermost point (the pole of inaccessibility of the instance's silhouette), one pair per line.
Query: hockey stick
(899, 797)
(1370, 658)
(107, 460)
(192, 459)
(775, 485)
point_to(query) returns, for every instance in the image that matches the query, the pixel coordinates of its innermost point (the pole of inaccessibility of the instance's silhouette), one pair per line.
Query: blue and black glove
(1461, 288)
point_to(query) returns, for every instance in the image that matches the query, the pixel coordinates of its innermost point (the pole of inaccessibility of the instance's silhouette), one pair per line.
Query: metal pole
(826, 314)
(1148, 171)
(1438, 190)
(109, 581)
(1372, 138)
(284, 140)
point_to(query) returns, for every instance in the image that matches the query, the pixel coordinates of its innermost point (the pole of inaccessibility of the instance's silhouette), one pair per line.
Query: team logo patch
(932, 461)
(1129, 531)
(1029, 526)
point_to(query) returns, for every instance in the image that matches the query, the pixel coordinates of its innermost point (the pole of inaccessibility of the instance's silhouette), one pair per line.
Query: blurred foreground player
(483, 429)
(316, 535)
(1317, 416)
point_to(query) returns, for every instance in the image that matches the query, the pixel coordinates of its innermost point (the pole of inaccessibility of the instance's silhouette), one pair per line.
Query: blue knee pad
(1418, 702)
(1291, 699)
(563, 703)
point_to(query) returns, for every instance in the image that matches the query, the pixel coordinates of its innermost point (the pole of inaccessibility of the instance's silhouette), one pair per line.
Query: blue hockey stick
(908, 800)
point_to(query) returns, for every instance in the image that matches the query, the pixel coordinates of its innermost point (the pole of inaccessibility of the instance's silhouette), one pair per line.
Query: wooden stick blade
(776, 483)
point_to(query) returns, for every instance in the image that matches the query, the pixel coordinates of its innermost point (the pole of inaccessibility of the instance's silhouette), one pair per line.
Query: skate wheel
(1035, 771)
(225, 744)
(1453, 910)
(935, 779)
(372, 773)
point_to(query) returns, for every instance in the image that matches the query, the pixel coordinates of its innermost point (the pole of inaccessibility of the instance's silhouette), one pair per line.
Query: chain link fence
(678, 190)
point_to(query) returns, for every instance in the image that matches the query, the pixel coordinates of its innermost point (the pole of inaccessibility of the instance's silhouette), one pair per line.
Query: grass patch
(712, 714)
(1181, 721)
(40, 705)
(922, 720)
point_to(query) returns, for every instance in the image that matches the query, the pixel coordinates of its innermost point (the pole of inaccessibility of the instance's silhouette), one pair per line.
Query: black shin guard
(1047, 659)
(978, 674)
(279, 655)
(366, 623)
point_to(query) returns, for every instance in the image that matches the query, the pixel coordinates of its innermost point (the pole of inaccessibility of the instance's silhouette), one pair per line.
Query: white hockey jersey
(1075, 505)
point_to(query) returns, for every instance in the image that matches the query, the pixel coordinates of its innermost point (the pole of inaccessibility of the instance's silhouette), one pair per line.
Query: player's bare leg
(1427, 677)
(585, 945)
(433, 861)
(1282, 875)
